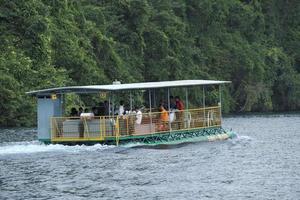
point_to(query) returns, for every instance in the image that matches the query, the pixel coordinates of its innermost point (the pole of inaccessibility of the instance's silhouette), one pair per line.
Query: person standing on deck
(74, 112)
(172, 103)
(121, 110)
(139, 116)
(172, 111)
(80, 111)
(106, 108)
(164, 118)
(180, 107)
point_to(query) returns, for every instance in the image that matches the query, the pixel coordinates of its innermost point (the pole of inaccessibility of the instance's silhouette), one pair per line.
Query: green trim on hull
(206, 134)
(175, 137)
(45, 141)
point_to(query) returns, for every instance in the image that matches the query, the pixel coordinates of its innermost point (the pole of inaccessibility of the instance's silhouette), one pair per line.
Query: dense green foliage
(255, 44)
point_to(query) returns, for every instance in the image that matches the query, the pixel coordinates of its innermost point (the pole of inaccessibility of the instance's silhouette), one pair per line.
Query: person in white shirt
(121, 109)
(172, 115)
(87, 115)
(139, 116)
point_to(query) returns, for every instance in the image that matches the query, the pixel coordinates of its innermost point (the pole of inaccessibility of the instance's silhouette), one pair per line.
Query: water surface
(263, 162)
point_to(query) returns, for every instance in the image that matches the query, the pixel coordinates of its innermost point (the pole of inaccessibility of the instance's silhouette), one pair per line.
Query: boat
(177, 120)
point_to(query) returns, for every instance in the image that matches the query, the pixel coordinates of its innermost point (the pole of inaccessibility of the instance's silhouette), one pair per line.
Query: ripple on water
(261, 163)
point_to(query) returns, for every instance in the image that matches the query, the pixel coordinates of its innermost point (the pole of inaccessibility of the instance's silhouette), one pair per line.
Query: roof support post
(109, 102)
(154, 98)
(169, 99)
(203, 102)
(150, 103)
(130, 96)
(62, 104)
(113, 116)
(113, 105)
(186, 99)
(220, 102)
(186, 113)
(150, 110)
(169, 109)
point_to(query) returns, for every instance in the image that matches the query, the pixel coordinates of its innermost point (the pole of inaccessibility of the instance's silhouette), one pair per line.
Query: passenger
(163, 103)
(74, 112)
(95, 111)
(172, 115)
(106, 108)
(86, 115)
(121, 110)
(139, 116)
(172, 103)
(179, 116)
(101, 109)
(179, 103)
(131, 116)
(164, 118)
(80, 110)
(83, 117)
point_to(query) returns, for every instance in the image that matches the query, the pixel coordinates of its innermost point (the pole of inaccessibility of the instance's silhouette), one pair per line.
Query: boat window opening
(211, 95)
(145, 100)
(191, 98)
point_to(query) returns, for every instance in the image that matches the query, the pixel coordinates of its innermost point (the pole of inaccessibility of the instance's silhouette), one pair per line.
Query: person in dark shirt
(172, 103)
(95, 111)
(74, 112)
(106, 108)
(80, 110)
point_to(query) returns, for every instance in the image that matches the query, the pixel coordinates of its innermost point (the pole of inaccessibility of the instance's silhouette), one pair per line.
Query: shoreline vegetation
(255, 44)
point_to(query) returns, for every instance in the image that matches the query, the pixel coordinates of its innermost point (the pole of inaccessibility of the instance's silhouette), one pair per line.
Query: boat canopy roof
(127, 86)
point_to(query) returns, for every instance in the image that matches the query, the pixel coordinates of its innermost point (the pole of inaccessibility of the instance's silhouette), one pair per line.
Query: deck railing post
(100, 128)
(104, 127)
(130, 96)
(117, 131)
(186, 99)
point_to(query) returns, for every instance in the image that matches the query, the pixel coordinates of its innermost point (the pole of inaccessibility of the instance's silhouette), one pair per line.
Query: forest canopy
(50, 43)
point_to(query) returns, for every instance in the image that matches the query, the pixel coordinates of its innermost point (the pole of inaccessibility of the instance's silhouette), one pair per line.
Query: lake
(262, 162)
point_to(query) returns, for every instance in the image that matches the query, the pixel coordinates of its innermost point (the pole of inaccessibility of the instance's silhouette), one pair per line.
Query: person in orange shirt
(164, 118)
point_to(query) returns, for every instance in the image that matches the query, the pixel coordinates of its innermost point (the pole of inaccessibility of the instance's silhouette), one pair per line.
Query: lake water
(263, 162)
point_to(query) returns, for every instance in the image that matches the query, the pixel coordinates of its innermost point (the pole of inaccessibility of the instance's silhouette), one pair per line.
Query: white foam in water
(243, 137)
(241, 140)
(134, 144)
(38, 147)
